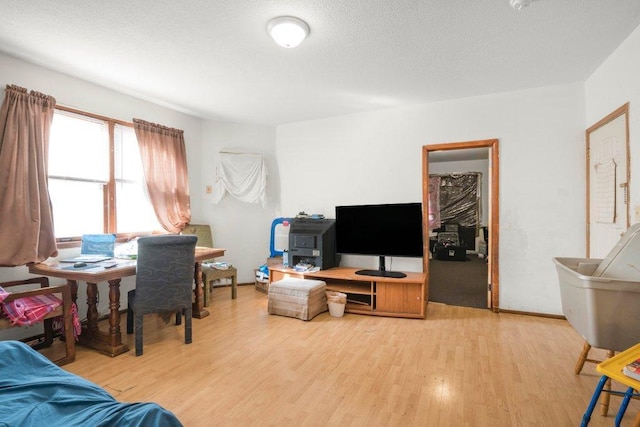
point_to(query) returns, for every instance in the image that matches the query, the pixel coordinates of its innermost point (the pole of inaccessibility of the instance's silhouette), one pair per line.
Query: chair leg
(48, 333)
(207, 290)
(138, 338)
(69, 311)
(179, 317)
(234, 286)
(604, 401)
(69, 339)
(130, 297)
(187, 325)
(623, 406)
(47, 339)
(594, 400)
(70, 349)
(605, 398)
(582, 358)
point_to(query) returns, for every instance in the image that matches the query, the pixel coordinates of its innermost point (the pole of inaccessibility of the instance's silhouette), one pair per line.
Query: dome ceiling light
(519, 4)
(288, 31)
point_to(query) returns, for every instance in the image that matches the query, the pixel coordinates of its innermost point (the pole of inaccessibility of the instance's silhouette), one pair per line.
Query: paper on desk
(88, 267)
(219, 265)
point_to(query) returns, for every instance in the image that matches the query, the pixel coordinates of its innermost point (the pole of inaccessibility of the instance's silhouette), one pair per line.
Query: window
(96, 181)
(133, 208)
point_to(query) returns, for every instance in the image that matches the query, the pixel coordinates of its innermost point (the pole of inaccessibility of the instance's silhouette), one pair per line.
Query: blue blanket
(36, 392)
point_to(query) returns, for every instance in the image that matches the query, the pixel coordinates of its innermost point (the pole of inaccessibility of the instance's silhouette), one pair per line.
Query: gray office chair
(164, 282)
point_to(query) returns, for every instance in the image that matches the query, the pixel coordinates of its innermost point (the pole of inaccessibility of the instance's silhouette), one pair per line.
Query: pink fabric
(28, 310)
(58, 322)
(77, 327)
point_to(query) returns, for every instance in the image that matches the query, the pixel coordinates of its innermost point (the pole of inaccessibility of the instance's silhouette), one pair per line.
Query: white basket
(338, 297)
(604, 311)
(336, 309)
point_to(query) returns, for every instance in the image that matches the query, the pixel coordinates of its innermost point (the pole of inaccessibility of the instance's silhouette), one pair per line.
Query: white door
(608, 182)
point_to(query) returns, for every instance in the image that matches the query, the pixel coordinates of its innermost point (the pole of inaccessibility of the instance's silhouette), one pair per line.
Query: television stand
(382, 273)
(366, 294)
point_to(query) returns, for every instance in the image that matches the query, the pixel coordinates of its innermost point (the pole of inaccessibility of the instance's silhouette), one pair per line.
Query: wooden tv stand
(376, 296)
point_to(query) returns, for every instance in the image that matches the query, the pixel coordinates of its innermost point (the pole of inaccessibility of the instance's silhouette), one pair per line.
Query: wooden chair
(582, 359)
(63, 310)
(164, 282)
(210, 274)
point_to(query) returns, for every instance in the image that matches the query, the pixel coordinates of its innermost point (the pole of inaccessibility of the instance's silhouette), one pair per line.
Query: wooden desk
(110, 343)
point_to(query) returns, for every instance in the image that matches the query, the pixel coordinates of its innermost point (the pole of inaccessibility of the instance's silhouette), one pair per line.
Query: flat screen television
(380, 230)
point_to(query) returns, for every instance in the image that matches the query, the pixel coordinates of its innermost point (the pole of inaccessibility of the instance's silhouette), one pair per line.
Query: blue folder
(95, 248)
(98, 244)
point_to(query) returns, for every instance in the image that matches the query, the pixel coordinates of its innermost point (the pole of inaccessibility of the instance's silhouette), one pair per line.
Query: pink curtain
(26, 218)
(164, 160)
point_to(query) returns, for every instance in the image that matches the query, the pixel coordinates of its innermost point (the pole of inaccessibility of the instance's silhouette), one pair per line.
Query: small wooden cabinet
(378, 296)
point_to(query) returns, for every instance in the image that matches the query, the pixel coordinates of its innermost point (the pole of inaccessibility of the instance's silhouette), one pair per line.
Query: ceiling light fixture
(288, 31)
(519, 4)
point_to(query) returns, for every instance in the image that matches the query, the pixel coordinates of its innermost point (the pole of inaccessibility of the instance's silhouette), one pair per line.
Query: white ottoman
(300, 298)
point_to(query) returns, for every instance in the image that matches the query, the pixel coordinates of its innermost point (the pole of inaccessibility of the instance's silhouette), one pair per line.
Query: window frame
(109, 194)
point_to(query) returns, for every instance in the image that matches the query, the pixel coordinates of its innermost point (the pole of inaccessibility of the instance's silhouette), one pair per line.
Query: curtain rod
(237, 152)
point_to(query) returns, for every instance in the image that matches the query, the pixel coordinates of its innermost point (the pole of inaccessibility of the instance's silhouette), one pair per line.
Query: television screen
(382, 230)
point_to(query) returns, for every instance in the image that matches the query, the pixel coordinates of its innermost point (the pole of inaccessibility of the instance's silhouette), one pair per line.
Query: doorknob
(624, 187)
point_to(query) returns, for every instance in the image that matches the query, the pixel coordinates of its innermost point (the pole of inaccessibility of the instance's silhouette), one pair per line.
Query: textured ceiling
(214, 59)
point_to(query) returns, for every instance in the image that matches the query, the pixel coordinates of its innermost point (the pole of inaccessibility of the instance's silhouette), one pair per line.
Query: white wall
(613, 84)
(376, 157)
(243, 229)
(240, 227)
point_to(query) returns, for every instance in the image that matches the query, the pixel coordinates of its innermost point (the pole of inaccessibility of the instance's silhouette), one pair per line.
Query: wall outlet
(637, 213)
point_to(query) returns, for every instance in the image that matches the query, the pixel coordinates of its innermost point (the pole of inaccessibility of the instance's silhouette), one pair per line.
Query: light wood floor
(459, 367)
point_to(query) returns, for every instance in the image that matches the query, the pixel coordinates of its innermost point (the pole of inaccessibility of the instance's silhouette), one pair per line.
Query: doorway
(608, 176)
(462, 152)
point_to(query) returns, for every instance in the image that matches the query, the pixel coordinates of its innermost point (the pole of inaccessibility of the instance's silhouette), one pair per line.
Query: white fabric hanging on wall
(243, 175)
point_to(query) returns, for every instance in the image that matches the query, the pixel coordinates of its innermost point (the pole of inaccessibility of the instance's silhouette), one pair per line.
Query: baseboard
(529, 313)
(224, 285)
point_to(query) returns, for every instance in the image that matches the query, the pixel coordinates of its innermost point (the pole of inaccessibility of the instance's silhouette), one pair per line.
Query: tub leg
(604, 403)
(582, 358)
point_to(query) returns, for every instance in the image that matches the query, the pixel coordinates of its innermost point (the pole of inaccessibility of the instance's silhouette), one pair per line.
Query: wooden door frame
(618, 112)
(494, 205)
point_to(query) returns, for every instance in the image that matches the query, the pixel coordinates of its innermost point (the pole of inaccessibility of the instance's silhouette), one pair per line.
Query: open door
(607, 182)
(493, 198)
